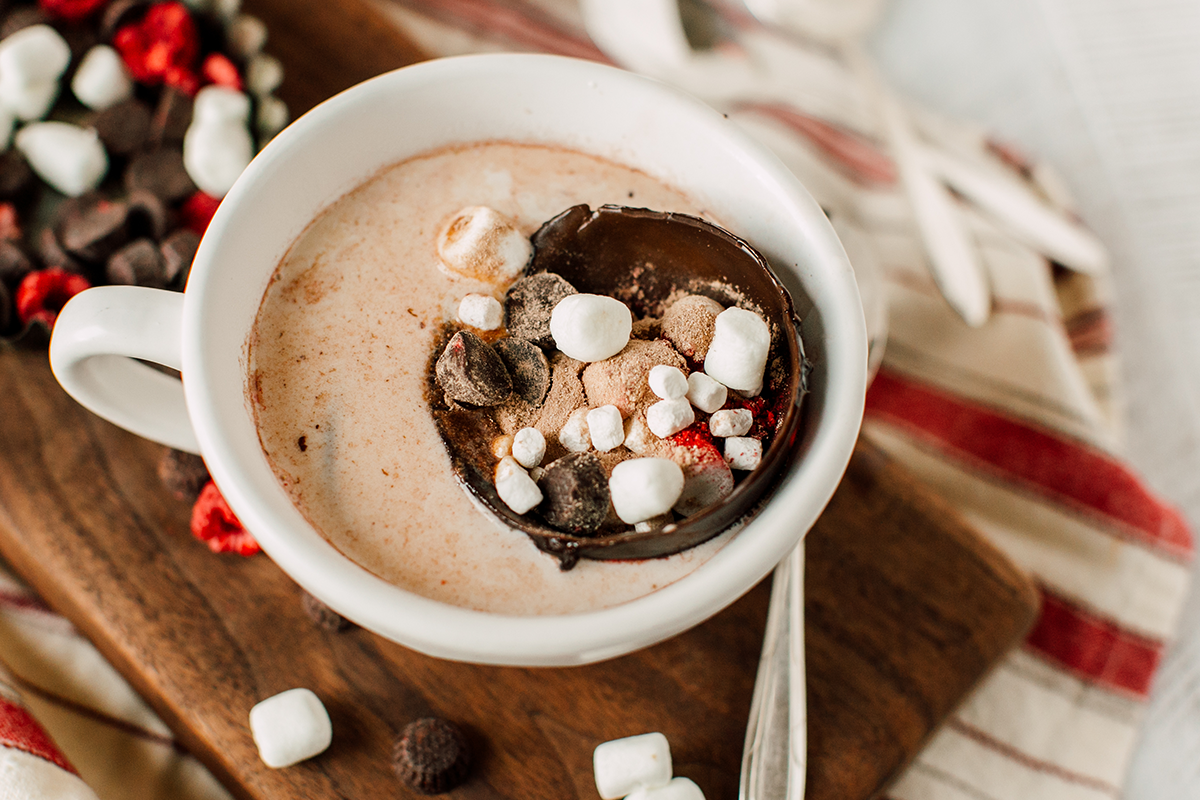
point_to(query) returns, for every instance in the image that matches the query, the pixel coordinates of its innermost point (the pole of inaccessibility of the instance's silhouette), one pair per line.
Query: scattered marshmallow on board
(31, 62)
(101, 80)
(290, 727)
(68, 157)
(218, 147)
(639, 768)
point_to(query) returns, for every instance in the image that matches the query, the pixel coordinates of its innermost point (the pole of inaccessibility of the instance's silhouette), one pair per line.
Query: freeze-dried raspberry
(198, 210)
(220, 70)
(215, 524)
(71, 10)
(43, 293)
(162, 46)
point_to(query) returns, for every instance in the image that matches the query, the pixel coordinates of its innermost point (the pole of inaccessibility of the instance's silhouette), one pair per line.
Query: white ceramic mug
(334, 148)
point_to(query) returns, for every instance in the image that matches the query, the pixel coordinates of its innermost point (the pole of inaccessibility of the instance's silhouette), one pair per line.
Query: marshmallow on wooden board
(290, 727)
(529, 447)
(272, 117)
(668, 382)
(606, 428)
(218, 147)
(518, 491)
(35, 54)
(642, 488)
(737, 356)
(28, 101)
(68, 157)
(264, 74)
(481, 311)
(742, 452)
(730, 422)
(706, 394)
(481, 243)
(676, 789)
(245, 36)
(668, 417)
(101, 79)
(622, 766)
(590, 327)
(574, 433)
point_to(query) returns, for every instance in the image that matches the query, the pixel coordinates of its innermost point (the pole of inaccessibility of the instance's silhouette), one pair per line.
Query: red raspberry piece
(71, 10)
(163, 43)
(221, 71)
(198, 211)
(10, 224)
(694, 435)
(183, 79)
(43, 293)
(215, 524)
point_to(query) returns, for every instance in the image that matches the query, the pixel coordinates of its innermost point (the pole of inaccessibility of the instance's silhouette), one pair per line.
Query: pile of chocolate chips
(142, 224)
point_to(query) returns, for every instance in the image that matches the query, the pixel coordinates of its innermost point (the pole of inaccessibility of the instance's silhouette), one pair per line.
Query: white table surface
(1109, 92)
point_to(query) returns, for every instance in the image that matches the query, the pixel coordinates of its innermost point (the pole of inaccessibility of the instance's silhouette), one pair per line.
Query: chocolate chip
(161, 172)
(178, 251)
(123, 128)
(14, 263)
(50, 251)
(528, 304)
(137, 264)
(432, 755)
(22, 17)
(172, 117)
(148, 215)
(91, 227)
(16, 176)
(576, 494)
(324, 616)
(6, 309)
(527, 366)
(183, 474)
(79, 38)
(469, 371)
(120, 13)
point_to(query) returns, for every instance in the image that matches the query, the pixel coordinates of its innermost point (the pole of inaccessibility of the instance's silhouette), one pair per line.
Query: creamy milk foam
(338, 364)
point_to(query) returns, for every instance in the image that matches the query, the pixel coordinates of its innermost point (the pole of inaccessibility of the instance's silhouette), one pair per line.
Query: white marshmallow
(606, 428)
(264, 74)
(518, 491)
(101, 80)
(590, 327)
(28, 101)
(742, 452)
(668, 382)
(642, 488)
(706, 394)
(677, 789)
(68, 157)
(481, 311)
(220, 104)
(730, 422)
(245, 36)
(290, 727)
(34, 55)
(574, 433)
(481, 243)
(217, 147)
(638, 437)
(529, 447)
(226, 9)
(502, 446)
(667, 417)
(737, 356)
(622, 766)
(273, 116)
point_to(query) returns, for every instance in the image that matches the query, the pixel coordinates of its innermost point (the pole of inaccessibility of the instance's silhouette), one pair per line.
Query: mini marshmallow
(706, 394)
(264, 74)
(502, 446)
(590, 327)
(574, 433)
(217, 147)
(28, 101)
(668, 382)
(481, 243)
(290, 727)
(529, 447)
(677, 789)
(68, 157)
(245, 36)
(481, 311)
(226, 9)
(220, 104)
(642, 488)
(35, 54)
(737, 356)
(622, 766)
(518, 491)
(101, 80)
(667, 417)
(606, 428)
(638, 437)
(742, 452)
(730, 422)
(272, 117)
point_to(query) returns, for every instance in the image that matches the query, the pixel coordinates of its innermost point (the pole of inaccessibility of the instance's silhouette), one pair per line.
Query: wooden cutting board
(202, 637)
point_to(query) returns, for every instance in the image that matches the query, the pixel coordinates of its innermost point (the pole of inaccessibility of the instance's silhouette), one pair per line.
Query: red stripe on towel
(20, 731)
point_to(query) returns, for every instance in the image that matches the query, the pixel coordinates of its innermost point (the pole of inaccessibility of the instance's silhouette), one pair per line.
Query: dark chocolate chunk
(469, 371)
(92, 228)
(527, 366)
(148, 215)
(120, 13)
(161, 172)
(576, 494)
(432, 755)
(178, 250)
(324, 616)
(52, 254)
(14, 263)
(20, 18)
(80, 37)
(16, 176)
(137, 264)
(123, 128)
(172, 117)
(183, 474)
(7, 310)
(528, 304)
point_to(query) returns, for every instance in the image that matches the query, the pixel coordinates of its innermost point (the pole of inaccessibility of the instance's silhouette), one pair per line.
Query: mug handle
(96, 338)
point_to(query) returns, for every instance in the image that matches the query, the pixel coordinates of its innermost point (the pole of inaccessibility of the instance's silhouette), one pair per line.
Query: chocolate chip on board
(171, 117)
(91, 227)
(528, 368)
(528, 304)
(123, 128)
(148, 215)
(470, 371)
(14, 263)
(324, 616)
(52, 254)
(432, 755)
(16, 176)
(138, 263)
(6, 309)
(20, 18)
(576, 494)
(161, 172)
(178, 252)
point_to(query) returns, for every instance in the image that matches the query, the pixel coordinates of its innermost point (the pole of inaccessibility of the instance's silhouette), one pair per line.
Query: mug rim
(561, 639)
